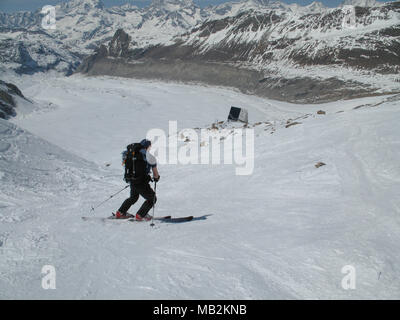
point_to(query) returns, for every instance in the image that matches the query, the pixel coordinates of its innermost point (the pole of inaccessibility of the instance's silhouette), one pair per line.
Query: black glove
(156, 179)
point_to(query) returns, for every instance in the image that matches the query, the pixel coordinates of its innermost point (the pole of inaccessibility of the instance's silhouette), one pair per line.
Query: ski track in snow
(284, 232)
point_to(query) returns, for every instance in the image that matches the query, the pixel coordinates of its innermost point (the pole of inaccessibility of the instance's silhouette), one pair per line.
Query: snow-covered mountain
(361, 3)
(26, 51)
(268, 37)
(8, 94)
(84, 24)
(231, 9)
(277, 35)
(282, 52)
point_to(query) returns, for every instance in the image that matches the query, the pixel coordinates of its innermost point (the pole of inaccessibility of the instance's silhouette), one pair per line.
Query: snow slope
(285, 231)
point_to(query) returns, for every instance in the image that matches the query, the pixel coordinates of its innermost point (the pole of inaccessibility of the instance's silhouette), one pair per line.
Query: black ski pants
(146, 192)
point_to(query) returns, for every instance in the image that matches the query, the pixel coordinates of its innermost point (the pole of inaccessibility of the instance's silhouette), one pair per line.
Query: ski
(168, 219)
(131, 218)
(155, 218)
(177, 220)
(97, 218)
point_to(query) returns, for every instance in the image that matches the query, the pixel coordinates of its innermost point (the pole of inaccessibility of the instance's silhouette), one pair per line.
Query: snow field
(286, 231)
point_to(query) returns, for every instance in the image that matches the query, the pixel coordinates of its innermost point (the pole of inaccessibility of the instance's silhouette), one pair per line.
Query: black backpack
(135, 165)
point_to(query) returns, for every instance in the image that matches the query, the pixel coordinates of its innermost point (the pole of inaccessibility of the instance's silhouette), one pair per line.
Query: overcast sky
(31, 5)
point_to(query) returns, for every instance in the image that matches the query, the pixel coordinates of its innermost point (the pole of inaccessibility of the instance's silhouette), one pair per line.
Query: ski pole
(154, 203)
(109, 198)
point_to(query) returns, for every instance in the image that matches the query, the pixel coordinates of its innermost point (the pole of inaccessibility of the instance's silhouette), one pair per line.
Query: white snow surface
(284, 232)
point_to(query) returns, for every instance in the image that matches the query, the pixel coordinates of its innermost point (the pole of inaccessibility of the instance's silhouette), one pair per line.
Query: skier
(141, 186)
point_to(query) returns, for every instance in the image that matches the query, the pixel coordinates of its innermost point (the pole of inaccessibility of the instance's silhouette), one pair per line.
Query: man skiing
(139, 177)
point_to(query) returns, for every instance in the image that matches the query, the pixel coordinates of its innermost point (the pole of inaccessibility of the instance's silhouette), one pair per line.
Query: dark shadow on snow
(201, 217)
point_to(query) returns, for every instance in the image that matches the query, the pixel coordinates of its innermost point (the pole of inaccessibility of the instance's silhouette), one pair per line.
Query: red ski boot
(147, 217)
(120, 215)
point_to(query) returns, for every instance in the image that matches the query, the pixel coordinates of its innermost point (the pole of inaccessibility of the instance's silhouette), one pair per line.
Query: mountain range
(252, 45)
